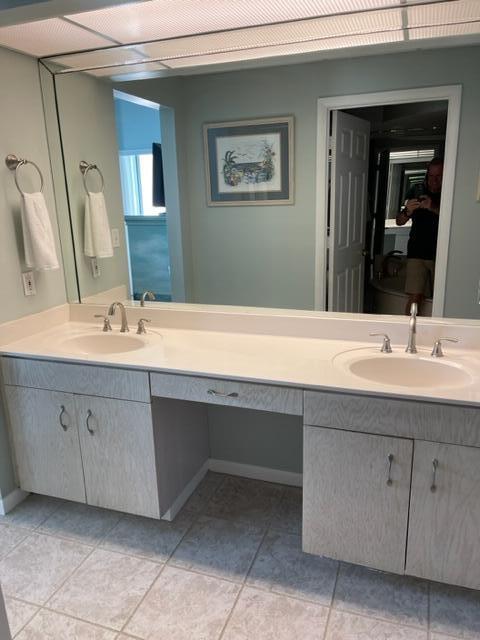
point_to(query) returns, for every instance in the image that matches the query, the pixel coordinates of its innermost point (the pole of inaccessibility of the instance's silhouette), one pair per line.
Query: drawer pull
(389, 477)
(222, 394)
(89, 428)
(433, 488)
(62, 424)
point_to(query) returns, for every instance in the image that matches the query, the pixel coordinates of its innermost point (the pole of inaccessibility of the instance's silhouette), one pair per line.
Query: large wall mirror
(257, 187)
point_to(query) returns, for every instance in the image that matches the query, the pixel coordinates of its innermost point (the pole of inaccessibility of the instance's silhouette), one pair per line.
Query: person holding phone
(422, 207)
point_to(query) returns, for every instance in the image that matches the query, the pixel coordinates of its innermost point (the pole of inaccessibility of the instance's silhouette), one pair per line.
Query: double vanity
(391, 461)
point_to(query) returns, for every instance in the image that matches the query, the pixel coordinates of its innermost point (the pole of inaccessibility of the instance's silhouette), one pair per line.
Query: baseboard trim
(186, 493)
(257, 473)
(11, 500)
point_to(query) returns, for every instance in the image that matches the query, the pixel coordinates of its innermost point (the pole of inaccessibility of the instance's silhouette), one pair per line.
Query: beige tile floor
(230, 567)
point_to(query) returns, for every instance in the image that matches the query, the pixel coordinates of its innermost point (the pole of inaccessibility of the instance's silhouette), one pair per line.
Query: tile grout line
(330, 608)
(187, 530)
(243, 583)
(25, 623)
(94, 547)
(29, 530)
(72, 617)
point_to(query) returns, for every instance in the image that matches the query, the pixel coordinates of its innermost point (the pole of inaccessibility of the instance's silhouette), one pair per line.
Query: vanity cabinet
(426, 521)
(46, 444)
(92, 434)
(444, 531)
(355, 497)
(85, 449)
(118, 454)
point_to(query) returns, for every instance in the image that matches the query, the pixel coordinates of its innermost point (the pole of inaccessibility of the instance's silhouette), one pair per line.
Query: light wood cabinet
(355, 497)
(118, 454)
(112, 452)
(444, 531)
(45, 442)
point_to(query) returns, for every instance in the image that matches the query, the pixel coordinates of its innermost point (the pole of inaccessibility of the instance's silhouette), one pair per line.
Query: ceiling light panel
(132, 68)
(159, 19)
(266, 36)
(100, 57)
(445, 13)
(445, 31)
(285, 50)
(47, 37)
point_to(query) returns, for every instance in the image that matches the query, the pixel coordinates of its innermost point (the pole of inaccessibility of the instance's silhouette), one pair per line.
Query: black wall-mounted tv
(158, 182)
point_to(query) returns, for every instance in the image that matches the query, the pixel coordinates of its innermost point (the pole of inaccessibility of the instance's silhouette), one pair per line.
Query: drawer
(228, 392)
(437, 422)
(77, 378)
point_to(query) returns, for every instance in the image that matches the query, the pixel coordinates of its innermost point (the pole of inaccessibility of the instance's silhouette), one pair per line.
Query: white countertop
(306, 362)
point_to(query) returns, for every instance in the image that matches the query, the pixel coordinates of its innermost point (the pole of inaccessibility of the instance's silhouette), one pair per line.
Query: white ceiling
(170, 35)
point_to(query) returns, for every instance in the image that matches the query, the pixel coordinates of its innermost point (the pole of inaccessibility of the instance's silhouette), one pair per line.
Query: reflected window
(136, 172)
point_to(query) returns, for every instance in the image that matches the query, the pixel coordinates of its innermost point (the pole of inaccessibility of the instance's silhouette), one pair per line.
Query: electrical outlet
(115, 237)
(95, 268)
(29, 283)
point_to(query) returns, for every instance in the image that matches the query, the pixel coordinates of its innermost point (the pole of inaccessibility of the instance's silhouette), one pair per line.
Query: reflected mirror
(172, 174)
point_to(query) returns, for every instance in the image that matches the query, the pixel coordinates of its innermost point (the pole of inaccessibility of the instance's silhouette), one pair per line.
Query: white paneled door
(348, 205)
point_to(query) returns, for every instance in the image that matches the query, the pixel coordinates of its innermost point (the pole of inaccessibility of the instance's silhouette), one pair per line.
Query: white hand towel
(38, 238)
(98, 239)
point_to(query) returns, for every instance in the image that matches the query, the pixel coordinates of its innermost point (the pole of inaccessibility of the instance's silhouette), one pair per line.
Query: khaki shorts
(420, 277)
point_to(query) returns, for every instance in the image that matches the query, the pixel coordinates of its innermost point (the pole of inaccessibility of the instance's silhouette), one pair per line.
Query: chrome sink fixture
(412, 329)
(111, 312)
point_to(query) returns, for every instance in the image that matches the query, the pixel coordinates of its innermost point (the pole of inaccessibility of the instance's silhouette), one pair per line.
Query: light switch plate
(95, 268)
(29, 283)
(115, 237)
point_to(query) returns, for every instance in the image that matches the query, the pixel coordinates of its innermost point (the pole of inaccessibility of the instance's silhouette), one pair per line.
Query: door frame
(452, 94)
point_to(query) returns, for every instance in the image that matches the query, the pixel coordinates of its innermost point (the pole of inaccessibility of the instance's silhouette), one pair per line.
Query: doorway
(353, 233)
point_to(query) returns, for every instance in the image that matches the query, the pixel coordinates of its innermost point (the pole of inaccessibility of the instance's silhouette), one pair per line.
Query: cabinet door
(355, 499)
(45, 441)
(444, 529)
(116, 438)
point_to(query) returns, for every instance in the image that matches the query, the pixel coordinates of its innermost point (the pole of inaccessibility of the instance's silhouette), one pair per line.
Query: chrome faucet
(412, 329)
(111, 312)
(146, 294)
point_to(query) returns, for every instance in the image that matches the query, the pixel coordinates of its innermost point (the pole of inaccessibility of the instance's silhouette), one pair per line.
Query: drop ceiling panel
(275, 35)
(284, 50)
(445, 13)
(100, 57)
(48, 37)
(443, 31)
(159, 19)
(130, 69)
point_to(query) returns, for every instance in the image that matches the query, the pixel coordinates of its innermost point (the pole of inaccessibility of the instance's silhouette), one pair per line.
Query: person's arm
(406, 213)
(427, 203)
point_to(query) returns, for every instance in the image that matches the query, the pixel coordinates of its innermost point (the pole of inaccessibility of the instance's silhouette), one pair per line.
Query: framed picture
(249, 162)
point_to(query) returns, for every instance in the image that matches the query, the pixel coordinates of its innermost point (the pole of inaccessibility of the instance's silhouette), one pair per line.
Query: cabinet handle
(89, 428)
(221, 394)
(62, 424)
(433, 488)
(389, 477)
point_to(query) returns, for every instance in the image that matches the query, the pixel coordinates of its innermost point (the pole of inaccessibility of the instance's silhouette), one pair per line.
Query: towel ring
(14, 164)
(85, 167)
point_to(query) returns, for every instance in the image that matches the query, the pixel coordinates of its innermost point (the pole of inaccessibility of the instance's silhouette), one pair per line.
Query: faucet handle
(386, 346)
(141, 325)
(106, 321)
(437, 351)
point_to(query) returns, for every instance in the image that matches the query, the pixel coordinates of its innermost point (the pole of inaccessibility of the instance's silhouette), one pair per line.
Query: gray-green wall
(22, 132)
(265, 255)
(87, 122)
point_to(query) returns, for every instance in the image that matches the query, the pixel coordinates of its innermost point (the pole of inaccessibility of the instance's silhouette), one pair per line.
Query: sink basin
(103, 343)
(405, 370)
